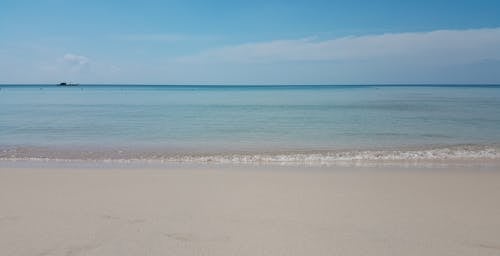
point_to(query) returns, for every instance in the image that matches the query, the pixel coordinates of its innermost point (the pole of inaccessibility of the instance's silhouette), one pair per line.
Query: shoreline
(450, 154)
(153, 164)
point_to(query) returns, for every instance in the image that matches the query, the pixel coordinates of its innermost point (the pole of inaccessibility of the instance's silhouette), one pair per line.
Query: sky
(250, 42)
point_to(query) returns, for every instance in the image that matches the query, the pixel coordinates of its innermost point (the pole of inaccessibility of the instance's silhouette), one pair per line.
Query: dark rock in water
(67, 84)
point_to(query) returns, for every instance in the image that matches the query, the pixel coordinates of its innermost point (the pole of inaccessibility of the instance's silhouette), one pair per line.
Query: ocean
(249, 124)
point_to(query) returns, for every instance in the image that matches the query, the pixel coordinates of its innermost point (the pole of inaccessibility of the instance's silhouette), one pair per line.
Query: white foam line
(311, 159)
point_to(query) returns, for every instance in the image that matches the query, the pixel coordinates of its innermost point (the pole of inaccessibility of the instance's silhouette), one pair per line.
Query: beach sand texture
(256, 211)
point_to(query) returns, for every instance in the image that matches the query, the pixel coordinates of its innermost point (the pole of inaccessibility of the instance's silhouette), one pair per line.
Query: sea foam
(312, 158)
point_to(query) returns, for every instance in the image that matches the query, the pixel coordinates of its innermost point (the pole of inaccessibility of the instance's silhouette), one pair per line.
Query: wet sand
(249, 211)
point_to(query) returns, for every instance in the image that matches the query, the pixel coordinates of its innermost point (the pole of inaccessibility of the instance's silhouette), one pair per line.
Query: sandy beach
(249, 211)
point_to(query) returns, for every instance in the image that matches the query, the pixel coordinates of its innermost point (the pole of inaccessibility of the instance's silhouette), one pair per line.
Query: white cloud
(437, 47)
(69, 67)
(443, 56)
(75, 62)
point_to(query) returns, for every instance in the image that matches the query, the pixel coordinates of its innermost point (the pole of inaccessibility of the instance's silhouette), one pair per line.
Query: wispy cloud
(441, 46)
(75, 62)
(442, 56)
(70, 66)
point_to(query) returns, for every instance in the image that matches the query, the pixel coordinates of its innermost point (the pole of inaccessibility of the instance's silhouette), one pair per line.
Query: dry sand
(253, 211)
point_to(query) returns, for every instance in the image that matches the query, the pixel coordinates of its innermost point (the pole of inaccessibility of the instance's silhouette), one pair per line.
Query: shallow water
(138, 121)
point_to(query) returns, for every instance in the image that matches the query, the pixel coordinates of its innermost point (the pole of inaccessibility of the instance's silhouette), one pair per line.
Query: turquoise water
(51, 121)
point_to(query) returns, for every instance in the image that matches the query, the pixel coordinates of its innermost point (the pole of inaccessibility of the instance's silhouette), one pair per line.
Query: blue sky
(250, 42)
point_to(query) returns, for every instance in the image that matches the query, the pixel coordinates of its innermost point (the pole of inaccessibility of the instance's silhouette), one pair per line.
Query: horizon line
(259, 85)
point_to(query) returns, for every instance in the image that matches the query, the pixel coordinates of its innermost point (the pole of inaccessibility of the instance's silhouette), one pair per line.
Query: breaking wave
(310, 158)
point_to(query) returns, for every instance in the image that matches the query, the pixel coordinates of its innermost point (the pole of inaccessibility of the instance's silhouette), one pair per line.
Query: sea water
(249, 123)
